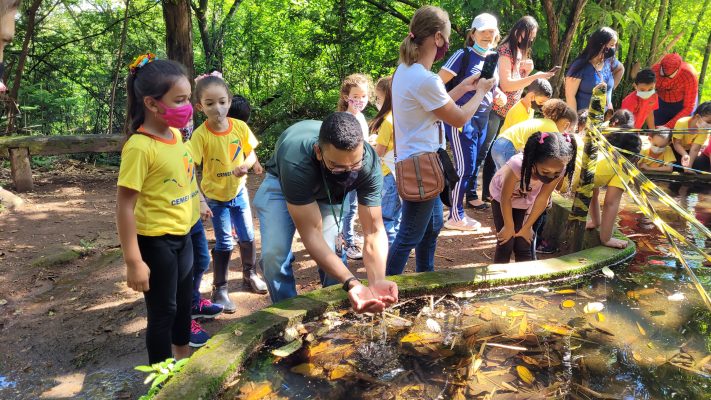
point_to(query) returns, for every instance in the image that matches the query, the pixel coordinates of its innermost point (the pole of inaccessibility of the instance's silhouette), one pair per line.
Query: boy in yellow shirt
(659, 149)
(687, 146)
(533, 98)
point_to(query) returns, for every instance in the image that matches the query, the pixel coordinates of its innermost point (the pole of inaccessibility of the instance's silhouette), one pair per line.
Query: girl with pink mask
(354, 97)
(155, 202)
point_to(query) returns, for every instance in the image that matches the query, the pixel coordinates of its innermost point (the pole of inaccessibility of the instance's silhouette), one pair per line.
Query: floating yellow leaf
(525, 374)
(559, 330)
(523, 327)
(256, 391)
(415, 337)
(636, 294)
(600, 317)
(340, 371)
(641, 330)
(319, 348)
(516, 314)
(568, 304)
(565, 291)
(307, 369)
(636, 357)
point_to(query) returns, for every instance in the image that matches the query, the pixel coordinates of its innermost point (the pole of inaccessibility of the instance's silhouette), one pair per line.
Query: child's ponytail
(427, 21)
(542, 146)
(148, 77)
(384, 85)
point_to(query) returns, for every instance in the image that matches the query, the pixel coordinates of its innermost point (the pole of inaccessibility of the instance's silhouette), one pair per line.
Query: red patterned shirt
(511, 97)
(682, 87)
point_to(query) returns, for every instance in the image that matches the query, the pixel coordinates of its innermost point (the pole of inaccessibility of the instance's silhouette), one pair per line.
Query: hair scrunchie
(140, 62)
(216, 74)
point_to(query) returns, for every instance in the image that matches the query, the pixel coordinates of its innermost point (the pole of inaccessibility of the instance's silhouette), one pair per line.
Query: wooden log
(70, 144)
(20, 169)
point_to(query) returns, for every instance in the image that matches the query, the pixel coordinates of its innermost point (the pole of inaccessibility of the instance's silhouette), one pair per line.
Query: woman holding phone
(515, 66)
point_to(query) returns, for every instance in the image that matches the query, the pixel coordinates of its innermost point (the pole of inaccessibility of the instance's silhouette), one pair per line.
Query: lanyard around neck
(330, 202)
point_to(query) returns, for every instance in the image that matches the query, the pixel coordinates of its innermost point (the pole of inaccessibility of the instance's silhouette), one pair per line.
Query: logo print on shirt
(173, 180)
(189, 166)
(235, 148)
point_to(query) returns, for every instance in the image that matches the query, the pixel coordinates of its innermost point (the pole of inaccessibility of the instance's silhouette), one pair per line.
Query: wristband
(347, 283)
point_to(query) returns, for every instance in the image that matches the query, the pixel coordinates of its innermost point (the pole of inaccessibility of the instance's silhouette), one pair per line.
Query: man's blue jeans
(277, 231)
(419, 228)
(226, 214)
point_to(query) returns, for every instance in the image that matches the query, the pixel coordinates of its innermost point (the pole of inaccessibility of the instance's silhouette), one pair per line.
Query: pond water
(640, 331)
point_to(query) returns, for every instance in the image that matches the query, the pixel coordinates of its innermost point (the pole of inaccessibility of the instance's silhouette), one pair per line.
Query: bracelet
(347, 283)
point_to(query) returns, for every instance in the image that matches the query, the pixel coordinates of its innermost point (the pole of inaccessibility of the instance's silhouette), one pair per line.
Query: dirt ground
(69, 327)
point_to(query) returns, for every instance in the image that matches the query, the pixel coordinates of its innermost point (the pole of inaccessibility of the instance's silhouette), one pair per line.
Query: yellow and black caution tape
(680, 131)
(645, 187)
(658, 161)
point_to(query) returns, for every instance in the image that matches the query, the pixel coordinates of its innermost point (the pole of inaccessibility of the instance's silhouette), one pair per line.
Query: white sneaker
(472, 222)
(354, 252)
(462, 225)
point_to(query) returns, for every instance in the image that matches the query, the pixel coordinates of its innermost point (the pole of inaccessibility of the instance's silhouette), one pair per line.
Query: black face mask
(609, 53)
(345, 179)
(536, 107)
(545, 178)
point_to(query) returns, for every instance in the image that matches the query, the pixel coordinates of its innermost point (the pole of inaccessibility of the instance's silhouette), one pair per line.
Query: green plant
(87, 245)
(158, 374)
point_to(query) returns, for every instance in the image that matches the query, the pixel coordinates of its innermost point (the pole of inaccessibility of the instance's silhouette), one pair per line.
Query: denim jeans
(277, 231)
(201, 258)
(349, 214)
(419, 228)
(501, 151)
(226, 214)
(391, 206)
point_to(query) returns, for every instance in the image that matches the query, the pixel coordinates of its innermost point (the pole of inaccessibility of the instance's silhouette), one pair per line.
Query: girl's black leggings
(519, 246)
(169, 298)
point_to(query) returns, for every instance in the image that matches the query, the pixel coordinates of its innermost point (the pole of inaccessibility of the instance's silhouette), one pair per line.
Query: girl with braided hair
(522, 188)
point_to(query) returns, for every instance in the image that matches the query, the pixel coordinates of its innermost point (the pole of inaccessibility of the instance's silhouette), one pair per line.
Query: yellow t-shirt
(385, 138)
(667, 156)
(519, 133)
(516, 115)
(605, 175)
(688, 139)
(220, 153)
(162, 172)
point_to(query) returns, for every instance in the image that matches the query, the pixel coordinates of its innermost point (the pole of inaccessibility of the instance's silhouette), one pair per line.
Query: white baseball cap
(485, 21)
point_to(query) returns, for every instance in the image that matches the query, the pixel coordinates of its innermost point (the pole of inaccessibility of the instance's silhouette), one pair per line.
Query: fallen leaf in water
(568, 304)
(516, 313)
(529, 360)
(288, 349)
(636, 294)
(657, 313)
(523, 327)
(319, 348)
(433, 325)
(340, 371)
(636, 357)
(256, 391)
(559, 330)
(471, 330)
(534, 302)
(476, 364)
(416, 337)
(525, 374)
(307, 369)
(592, 308)
(608, 272)
(459, 394)
(565, 291)
(641, 330)
(678, 296)
(486, 314)
(600, 317)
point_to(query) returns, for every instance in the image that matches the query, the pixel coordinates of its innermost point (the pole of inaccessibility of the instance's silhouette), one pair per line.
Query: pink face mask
(176, 117)
(358, 105)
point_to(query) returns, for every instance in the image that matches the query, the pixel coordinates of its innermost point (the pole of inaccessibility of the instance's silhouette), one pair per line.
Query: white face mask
(657, 150)
(645, 95)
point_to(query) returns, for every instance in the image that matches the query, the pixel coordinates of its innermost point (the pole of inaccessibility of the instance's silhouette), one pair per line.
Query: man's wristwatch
(347, 283)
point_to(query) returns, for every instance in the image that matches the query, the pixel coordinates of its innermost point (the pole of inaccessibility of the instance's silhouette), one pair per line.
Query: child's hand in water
(240, 171)
(526, 234)
(505, 234)
(137, 275)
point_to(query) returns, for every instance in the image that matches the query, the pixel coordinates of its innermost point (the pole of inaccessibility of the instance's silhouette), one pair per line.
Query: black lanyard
(330, 202)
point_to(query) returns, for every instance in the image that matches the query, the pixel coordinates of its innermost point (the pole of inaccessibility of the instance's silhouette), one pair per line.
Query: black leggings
(517, 245)
(169, 300)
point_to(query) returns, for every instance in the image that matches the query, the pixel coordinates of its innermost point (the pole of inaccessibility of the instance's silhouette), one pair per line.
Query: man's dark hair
(341, 130)
(645, 76)
(240, 108)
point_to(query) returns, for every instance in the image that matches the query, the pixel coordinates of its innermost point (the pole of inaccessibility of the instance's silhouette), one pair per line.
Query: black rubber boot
(220, 293)
(250, 276)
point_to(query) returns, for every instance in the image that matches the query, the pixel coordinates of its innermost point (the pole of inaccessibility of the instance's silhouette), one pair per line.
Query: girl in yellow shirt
(154, 205)
(659, 149)
(225, 148)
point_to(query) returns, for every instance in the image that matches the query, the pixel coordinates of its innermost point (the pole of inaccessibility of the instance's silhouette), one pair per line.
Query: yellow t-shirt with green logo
(688, 139)
(220, 153)
(605, 174)
(385, 138)
(162, 171)
(667, 156)
(516, 115)
(519, 133)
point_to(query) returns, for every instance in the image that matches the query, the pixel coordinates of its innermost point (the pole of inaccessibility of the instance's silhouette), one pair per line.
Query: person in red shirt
(677, 87)
(643, 101)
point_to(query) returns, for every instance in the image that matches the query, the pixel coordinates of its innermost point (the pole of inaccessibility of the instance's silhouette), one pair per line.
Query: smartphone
(490, 63)
(555, 69)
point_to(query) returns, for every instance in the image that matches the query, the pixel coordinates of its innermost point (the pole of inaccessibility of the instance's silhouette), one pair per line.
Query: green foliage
(159, 374)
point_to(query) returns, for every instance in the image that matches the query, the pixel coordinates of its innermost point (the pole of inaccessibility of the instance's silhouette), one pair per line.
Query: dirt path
(69, 326)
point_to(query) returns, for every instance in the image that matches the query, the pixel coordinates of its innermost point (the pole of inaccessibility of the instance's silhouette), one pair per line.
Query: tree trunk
(560, 48)
(200, 10)
(705, 66)
(212, 42)
(663, 5)
(117, 71)
(179, 33)
(31, 14)
(695, 28)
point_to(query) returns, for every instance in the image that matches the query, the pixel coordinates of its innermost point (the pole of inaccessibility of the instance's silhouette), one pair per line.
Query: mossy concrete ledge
(221, 358)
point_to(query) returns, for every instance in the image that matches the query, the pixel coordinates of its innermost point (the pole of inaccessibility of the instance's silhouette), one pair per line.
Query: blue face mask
(479, 49)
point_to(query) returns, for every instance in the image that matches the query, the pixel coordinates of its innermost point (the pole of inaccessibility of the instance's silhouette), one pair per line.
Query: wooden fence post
(20, 169)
